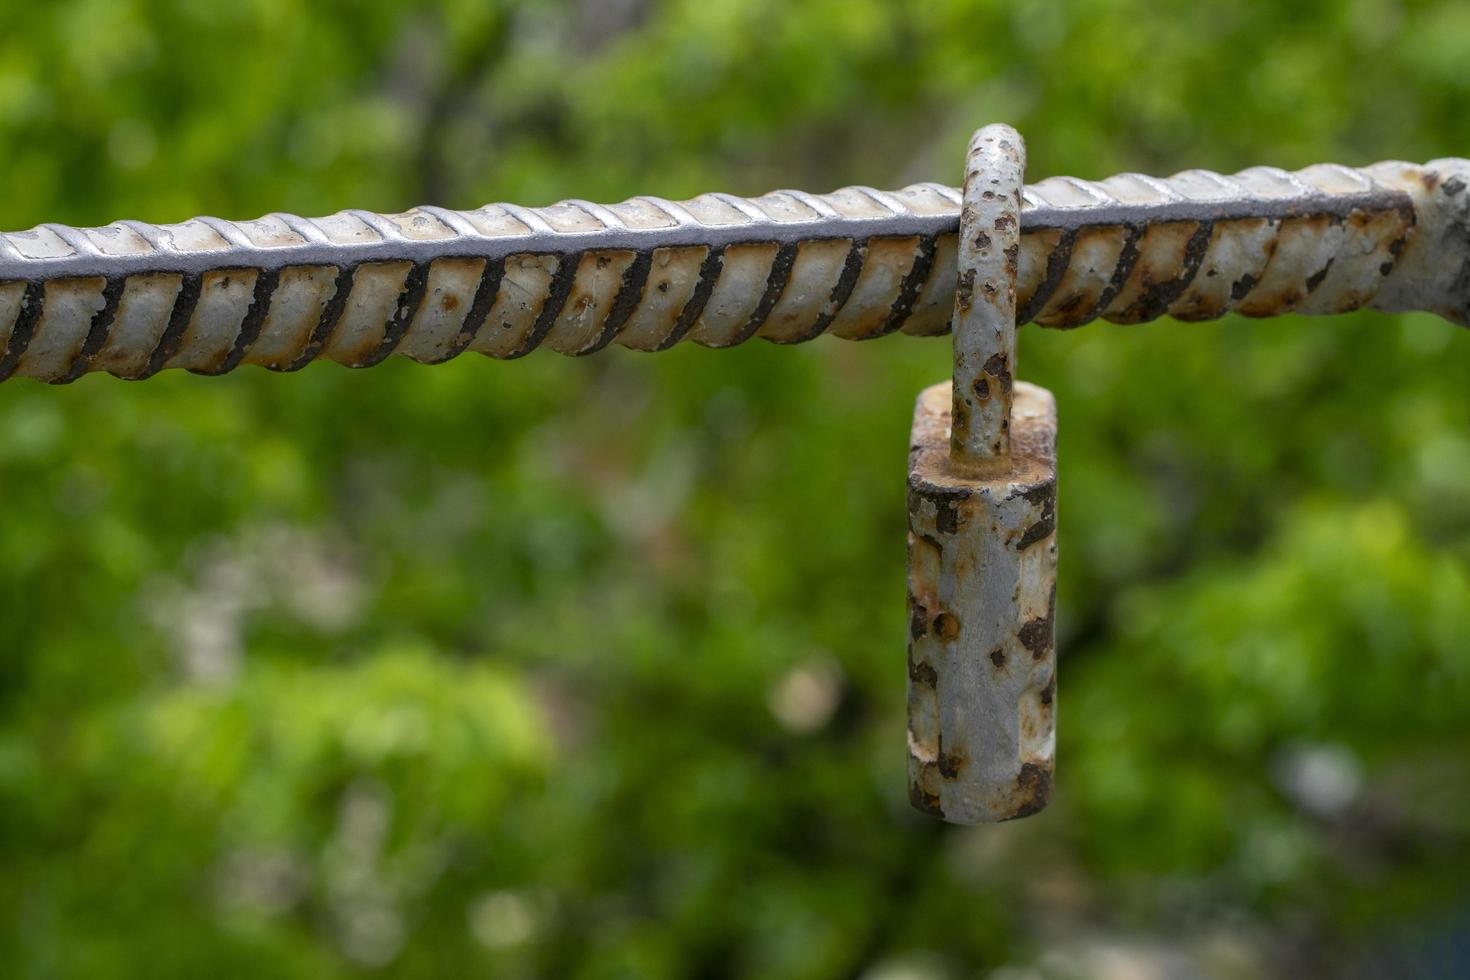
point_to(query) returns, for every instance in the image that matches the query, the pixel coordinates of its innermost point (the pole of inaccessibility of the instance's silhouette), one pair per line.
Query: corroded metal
(984, 332)
(280, 291)
(982, 534)
(982, 598)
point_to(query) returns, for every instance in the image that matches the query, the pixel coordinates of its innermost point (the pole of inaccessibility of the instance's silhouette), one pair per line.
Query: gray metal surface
(984, 332)
(208, 295)
(982, 602)
(982, 494)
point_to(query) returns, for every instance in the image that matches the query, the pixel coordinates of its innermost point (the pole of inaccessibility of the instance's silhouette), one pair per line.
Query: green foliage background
(594, 668)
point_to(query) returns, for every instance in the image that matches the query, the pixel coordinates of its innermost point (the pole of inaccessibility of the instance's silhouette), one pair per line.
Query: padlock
(982, 535)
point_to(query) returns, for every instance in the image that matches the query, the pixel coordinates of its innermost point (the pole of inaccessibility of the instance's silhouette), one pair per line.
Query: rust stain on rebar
(789, 265)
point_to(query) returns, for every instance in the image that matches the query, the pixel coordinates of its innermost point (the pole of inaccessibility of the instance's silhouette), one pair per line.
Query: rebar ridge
(280, 291)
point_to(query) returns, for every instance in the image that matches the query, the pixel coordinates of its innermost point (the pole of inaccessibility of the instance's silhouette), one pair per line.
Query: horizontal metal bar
(242, 253)
(208, 294)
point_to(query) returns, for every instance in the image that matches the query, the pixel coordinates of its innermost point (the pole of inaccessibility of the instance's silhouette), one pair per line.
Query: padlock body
(982, 603)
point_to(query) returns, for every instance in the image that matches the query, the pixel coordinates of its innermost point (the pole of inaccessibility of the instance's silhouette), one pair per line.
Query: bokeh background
(594, 668)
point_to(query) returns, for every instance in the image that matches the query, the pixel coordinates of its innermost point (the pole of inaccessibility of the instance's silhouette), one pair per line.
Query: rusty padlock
(982, 534)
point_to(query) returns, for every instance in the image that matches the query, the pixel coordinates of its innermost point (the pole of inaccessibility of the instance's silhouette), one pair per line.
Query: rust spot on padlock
(946, 626)
(1033, 790)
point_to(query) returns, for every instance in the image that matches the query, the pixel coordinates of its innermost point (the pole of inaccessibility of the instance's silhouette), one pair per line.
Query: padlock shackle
(984, 330)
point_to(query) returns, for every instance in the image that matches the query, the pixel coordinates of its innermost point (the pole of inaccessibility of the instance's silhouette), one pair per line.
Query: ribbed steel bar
(280, 291)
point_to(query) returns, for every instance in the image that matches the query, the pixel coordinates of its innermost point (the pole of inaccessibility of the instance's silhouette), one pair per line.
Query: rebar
(208, 295)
